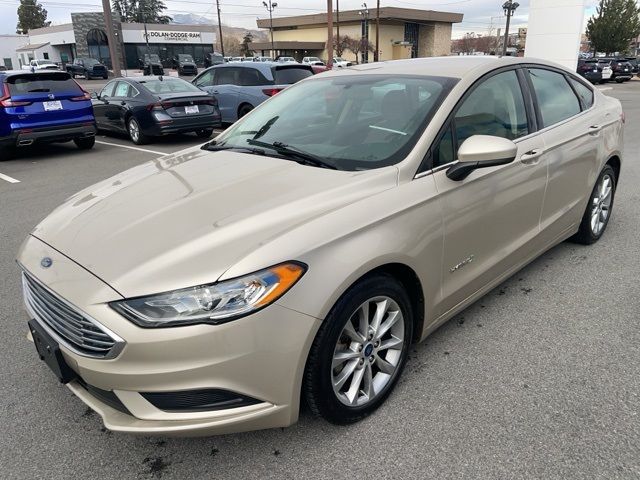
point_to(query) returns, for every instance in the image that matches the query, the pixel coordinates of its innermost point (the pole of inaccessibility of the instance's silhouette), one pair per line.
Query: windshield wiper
(265, 128)
(215, 147)
(292, 152)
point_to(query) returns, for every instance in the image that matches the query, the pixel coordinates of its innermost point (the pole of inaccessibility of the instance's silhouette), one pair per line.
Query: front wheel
(596, 216)
(85, 143)
(136, 135)
(360, 350)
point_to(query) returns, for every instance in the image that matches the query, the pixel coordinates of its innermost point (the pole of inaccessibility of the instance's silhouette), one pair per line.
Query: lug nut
(371, 358)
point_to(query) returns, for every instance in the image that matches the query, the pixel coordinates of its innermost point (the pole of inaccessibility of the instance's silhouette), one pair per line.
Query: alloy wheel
(368, 351)
(134, 130)
(601, 204)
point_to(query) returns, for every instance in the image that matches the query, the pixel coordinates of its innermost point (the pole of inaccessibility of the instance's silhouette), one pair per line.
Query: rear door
(47, 99)
(226, 89)
(571, 131)
(491, 218)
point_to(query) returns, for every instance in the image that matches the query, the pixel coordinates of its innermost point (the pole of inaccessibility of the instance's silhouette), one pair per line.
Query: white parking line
(133, 148)
(604, 89)
(8, 178)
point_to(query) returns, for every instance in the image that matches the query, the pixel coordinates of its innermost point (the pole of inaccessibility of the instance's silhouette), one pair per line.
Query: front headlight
(214, 303)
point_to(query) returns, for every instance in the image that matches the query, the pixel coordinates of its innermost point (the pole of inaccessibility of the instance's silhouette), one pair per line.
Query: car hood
(183, 220)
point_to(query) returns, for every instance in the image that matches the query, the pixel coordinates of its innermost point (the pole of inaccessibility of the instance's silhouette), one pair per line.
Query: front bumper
(60, 133)
(261, 356)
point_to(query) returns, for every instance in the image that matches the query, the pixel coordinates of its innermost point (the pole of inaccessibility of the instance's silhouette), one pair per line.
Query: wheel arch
(615, 163)
(409, 279)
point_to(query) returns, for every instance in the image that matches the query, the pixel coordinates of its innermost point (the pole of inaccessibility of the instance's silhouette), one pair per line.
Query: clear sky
(479, 15)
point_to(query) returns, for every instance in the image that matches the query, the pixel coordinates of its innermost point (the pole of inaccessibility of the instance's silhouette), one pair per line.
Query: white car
(287, 60)
(339, 62)
(312, 61)
(40, 65)
(607, 72)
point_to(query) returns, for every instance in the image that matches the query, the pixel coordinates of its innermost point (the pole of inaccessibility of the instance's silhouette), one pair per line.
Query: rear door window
(289, 75)
(55, 83)
(250, 77)
(584, 92)
(122, 90)
(555, 97)
(227, 76)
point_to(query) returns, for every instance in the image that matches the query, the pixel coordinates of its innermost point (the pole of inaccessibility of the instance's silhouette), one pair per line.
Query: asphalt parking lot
(539, 379)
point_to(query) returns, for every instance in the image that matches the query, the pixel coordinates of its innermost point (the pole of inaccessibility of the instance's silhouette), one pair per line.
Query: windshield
(313, 59)
(89, 62)
(338, 59)
(169, 85)
(152, 58)
(43, 62)
(185, 58)
(359, 122)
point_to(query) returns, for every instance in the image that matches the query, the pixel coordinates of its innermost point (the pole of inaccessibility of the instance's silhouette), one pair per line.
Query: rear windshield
(42, 82)
(169, 85)
(289, 75)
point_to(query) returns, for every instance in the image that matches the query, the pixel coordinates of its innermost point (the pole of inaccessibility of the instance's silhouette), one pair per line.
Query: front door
(492, 217)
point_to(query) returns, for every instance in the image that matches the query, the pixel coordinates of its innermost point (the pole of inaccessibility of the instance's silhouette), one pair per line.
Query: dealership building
(86, 36)
(404, 33)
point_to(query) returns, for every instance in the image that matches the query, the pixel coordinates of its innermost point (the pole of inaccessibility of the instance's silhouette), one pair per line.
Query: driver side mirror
(95, 95)
(482, 151)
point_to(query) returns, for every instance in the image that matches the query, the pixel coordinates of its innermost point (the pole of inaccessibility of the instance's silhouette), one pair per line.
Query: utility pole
(377, 54)
(509, 8)
(144, 20)
(220, 28)
(330, 33)
(271, 7)
(111, 38)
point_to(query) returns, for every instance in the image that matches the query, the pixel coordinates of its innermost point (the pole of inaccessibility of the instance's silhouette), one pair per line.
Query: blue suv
(43, 107)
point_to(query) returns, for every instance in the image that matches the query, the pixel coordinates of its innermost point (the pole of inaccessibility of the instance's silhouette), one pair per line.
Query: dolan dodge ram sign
(155, 36)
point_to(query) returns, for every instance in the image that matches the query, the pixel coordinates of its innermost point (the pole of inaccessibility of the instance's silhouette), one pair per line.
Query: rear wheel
(360, 351)
(204, 133)
(598, 211)
(7, 153)
(85, 143)
(136, 135)
(244, 109)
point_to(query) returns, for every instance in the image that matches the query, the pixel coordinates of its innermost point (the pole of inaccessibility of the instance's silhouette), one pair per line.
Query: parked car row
(50, 106)
(604, 69)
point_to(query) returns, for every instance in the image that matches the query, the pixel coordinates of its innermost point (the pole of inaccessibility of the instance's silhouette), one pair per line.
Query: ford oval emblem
(51, 96)
(46, 262)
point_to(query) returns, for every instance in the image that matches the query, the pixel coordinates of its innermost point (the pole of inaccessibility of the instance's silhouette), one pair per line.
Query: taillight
(270, 92)
(85, 95)
(5, 99)
(155, 107)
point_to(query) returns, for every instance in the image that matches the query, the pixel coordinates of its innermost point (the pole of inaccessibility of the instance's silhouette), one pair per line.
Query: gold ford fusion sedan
(299, 254)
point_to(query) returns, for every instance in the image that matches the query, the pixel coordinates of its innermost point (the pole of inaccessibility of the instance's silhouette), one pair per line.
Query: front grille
(72, 328)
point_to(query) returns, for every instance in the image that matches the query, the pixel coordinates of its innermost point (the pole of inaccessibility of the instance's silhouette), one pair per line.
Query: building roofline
(52, 29)
(386, 13)
(169, 27)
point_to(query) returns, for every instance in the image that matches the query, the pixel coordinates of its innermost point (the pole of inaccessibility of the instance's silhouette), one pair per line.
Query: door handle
(594, 129)
(215, 91)
(532, 156)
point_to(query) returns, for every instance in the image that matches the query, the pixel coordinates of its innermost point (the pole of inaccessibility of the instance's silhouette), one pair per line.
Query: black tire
(85, 143)
(204, 133)
(104, 77)
(87, 76)
(7, 153)
(619, 80)
(317, 381)
(586, 234)
(244, 109)
(139, 138)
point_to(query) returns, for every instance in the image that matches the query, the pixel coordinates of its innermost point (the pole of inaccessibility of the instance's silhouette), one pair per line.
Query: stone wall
(84, 22)
(434, 40)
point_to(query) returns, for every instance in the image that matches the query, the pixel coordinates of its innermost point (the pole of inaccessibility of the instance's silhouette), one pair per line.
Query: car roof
(9, 73)
(453, 66)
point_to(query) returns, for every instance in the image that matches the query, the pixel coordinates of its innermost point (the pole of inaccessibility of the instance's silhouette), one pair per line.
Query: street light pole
(330, 33)
(365, 33)
(271, 7)
(377, 54)
(509, 8)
